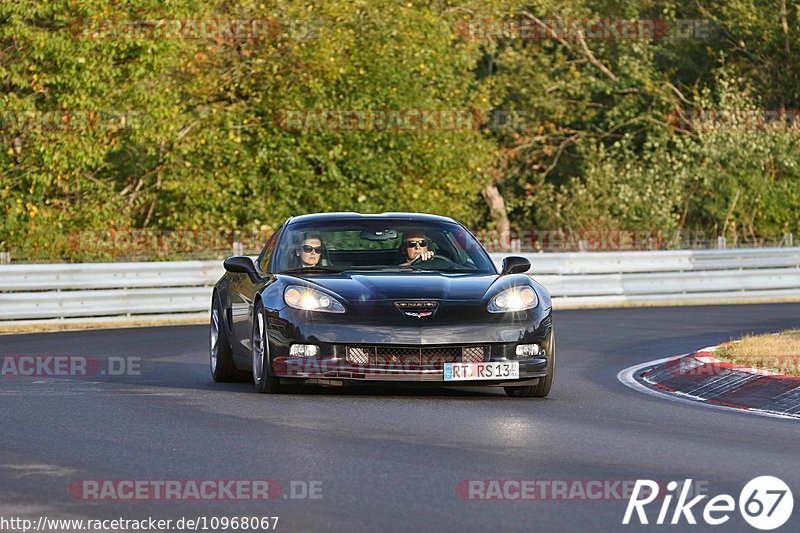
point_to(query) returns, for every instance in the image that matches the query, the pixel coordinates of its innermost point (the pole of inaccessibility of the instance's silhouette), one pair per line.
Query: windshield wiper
(312, 270)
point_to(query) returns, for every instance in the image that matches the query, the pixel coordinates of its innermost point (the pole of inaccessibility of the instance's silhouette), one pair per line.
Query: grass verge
(776, 352)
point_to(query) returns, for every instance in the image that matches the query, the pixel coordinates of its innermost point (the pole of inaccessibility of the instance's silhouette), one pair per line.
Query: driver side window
(265, 258)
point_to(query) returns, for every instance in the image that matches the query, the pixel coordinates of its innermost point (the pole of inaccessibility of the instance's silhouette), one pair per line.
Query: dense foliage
(109, 120)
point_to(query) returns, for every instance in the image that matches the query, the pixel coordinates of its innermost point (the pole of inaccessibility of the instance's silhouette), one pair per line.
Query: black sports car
(345, 297)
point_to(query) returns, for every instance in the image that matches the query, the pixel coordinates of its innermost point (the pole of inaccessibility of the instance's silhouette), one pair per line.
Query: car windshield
(380, 245)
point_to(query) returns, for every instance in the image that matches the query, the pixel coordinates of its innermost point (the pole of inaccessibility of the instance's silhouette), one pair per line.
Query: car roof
(350, 216)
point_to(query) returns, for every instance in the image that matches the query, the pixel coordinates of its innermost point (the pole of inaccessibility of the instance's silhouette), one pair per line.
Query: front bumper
(380, 328)
(324, 370)
(410, 365)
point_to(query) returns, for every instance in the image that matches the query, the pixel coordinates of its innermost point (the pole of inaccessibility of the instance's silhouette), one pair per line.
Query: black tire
(219, 347)
(542, 388)
(263, 379)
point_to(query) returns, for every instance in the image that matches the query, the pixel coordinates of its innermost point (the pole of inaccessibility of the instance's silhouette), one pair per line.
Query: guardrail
(664, 277)
(106, 289)
(596, 279)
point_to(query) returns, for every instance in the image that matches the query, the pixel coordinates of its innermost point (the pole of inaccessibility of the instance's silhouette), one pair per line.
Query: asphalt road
(388, 460)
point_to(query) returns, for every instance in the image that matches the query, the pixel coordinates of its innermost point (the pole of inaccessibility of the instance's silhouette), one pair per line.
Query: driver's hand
(424, 256)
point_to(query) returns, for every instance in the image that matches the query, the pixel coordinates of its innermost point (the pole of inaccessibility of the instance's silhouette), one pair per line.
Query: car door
(243, 291)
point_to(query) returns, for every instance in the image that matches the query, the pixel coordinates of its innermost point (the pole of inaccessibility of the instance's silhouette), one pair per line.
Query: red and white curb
(701, 379)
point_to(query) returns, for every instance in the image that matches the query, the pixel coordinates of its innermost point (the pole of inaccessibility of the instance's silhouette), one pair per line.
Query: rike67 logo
(765, 503)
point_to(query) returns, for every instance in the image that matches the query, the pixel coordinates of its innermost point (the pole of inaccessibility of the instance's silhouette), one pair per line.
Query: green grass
(777, 352)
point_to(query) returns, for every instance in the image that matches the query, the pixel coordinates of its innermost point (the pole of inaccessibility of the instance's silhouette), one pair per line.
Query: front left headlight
(308, 299)
(514, 299)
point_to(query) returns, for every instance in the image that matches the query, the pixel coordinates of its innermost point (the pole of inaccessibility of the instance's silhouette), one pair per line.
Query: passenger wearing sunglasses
(309, 253)
(415, 247)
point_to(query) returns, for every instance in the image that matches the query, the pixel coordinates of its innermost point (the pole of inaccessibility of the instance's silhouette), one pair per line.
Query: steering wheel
(418, 261)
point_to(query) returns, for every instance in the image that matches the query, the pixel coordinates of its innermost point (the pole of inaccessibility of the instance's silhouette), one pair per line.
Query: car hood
(371, 287)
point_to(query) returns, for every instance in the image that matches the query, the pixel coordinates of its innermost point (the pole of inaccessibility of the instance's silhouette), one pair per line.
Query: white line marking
(625, 377)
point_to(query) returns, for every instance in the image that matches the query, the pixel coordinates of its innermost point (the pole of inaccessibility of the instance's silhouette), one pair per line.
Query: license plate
(474, 371)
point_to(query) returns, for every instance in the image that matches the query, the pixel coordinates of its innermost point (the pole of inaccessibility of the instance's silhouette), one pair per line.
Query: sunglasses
(415, 244)
(308, 249)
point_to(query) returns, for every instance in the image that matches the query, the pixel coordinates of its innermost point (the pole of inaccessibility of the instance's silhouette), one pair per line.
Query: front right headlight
(514, 299)
(308, 299)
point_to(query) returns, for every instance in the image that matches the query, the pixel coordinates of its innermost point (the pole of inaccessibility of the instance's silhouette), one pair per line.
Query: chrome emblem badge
(417, 308)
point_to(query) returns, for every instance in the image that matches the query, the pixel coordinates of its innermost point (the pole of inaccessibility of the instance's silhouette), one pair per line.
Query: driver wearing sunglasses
(310, 252)
(415, 247)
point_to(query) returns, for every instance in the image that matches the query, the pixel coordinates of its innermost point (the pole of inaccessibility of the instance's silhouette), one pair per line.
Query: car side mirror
(515, 265)
(243, 265)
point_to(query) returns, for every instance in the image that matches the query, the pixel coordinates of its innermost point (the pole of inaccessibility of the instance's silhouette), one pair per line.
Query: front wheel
(219, 347)
(264, 381)
(542, 388)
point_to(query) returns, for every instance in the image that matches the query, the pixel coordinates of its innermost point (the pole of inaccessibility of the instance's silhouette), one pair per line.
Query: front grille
(358, 356)
(473, 354)
(414, 357)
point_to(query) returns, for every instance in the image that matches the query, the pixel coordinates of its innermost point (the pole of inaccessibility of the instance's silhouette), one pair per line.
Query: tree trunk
(497, 210)
(786, 40)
